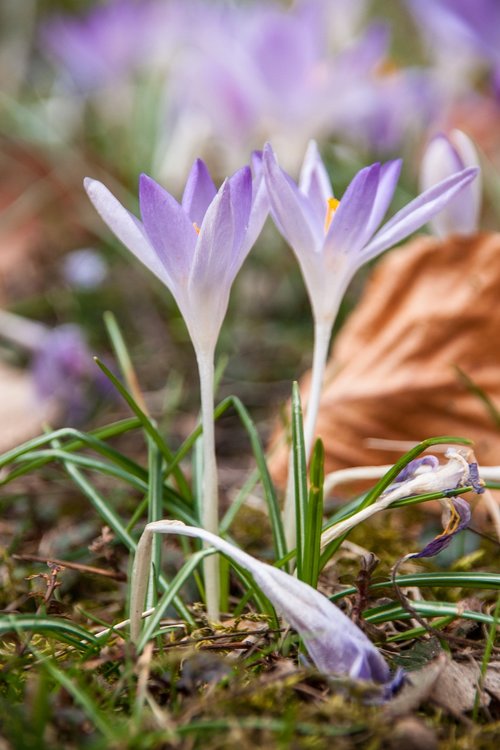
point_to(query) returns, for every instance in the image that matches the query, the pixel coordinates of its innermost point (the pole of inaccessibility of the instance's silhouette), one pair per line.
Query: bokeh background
(112, 89)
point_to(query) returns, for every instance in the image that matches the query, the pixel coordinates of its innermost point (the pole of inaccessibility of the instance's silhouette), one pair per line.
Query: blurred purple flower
(64, 370)
(104, 45)
(84, 269)
(62, 365)
(475, 24)
(197, 247)
(443, 157)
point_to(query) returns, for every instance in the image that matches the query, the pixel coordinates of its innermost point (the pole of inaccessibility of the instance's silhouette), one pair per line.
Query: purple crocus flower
(332, 239)
(444, 156)
(335, 644)
(196, 248)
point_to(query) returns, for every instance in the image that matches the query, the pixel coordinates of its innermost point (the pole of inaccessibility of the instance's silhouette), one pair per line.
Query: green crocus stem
(322, 335)
(209, 499)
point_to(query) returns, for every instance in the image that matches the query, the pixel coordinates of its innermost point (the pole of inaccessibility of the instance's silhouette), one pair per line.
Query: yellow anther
(196, 227)
(453, 521)
(331, 206)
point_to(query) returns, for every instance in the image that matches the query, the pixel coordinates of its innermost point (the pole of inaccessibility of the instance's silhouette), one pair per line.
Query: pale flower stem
(322, 335)
(209, 498)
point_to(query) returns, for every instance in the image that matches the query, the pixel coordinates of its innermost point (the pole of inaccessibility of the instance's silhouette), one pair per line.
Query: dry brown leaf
(430, 306)
(456, 687)
(21, 415)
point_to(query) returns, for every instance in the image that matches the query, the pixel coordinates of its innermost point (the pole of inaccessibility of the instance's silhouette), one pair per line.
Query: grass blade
(314, 517)
(300, 478)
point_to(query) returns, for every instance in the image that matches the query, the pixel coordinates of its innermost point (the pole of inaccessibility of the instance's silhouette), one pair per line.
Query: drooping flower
(459, 516)
(444, 156)
(196, 248)
(335, 644)
(421, 476)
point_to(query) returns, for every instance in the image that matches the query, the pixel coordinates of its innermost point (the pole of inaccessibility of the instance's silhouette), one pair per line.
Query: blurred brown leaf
(430, 306)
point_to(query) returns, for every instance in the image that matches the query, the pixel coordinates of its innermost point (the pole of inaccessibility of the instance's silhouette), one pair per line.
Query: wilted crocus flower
(196, 248)
(459, 518)
(333, 238)
(421, 476)
(443, 157)
(335, 644)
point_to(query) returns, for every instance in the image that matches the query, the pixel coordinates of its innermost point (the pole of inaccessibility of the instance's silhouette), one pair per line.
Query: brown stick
(117, 576)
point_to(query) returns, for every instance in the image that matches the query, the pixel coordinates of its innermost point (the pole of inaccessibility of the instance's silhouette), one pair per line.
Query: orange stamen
(331, 206)
(196, 227)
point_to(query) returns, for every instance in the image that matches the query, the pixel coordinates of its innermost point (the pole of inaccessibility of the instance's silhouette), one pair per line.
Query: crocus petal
(418, 212)
(240, 189)
(389, 176)
(168, 228)
(417, 466)
(126, 227)
(443, 157)
(198, 193)
(440, 542)
(336, 645)
(291, 210)
(215, 242)
(260, 206)
(314, 181)
(347, 231)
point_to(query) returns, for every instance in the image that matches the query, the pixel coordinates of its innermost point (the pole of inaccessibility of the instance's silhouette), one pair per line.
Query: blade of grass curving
(150, 430)
(92, 464)
(83, 440)
(314, 516)
(238, 501)
(299, 478)
(124, 360)
(467, 579)
(57, 627)
(394, 611)
(412, 633)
